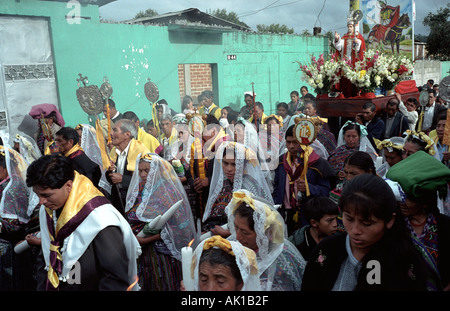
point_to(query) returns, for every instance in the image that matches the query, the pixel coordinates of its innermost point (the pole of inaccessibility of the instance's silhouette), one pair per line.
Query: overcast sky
(297, 14)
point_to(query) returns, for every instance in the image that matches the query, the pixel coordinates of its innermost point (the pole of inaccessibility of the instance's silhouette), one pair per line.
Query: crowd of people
(110, 206)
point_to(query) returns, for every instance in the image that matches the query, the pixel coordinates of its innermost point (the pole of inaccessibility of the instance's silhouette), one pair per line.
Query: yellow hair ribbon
(218, 241)
(271, 215)
(387, 143)
(238, 197)
(249, 154)
(251, 256)
(146, 156)
(424, 137)
(279, 118)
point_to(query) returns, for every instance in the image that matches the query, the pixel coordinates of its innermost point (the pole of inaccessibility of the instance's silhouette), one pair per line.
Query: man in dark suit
(67, 140)
(373, 123)
(395, 123)
(114, 114)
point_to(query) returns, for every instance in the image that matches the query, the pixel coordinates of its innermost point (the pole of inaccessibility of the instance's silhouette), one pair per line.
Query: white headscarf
(245, 260)
(253, 140)
(91, 148)
(280, 264)
(364, 143)
(248, 174)
(28, 147)
(161, 191)
(17, 200)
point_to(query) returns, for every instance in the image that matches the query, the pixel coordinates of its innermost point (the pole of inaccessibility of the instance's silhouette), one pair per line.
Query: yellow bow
(219, 242)
(271, 215)
(239, 197)
(146, 156)
(387, 143)
(424, 137)
(249, 154)
(279, 118)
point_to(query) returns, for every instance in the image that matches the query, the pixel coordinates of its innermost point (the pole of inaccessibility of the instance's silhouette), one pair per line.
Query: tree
(274, 28)
(146, 13)
(230, 17)
(438, 42)
(306, 32)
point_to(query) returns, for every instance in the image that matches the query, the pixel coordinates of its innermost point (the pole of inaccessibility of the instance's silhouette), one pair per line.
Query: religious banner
(387, 25)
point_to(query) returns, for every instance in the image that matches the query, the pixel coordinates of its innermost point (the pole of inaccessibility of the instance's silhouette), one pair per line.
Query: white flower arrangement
(375, 70)
(321, 74)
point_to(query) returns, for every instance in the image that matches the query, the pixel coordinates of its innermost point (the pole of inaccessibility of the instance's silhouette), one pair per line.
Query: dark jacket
(318, 176)
(119, 192)
(325, 263)
(375, 129)
(303, 240)
(104, 265)
(85, 166)
(399, 125)
(443, 223)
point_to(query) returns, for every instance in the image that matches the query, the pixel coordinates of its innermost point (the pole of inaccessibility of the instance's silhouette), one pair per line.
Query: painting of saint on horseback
(387, 25)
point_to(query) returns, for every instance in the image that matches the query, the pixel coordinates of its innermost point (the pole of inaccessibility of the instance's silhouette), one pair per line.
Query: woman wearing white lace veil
(154, 188)
(246, 134)
(352, 137)
(415, 141)
(232, 257)
(16, 205)
(28, 147)
(391, 151)
(235, 167)
(257, 225)
(91, 148)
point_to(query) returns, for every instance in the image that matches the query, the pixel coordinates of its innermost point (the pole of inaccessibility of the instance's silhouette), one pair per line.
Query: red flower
(402, 69)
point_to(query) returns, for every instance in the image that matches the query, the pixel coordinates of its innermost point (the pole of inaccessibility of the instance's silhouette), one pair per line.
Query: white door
(27, 72)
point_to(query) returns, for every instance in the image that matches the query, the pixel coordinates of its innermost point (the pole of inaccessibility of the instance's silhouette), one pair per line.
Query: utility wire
(317, 20)
(270, 6)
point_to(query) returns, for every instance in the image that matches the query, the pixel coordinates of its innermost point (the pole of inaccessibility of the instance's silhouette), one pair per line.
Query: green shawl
(419, 174)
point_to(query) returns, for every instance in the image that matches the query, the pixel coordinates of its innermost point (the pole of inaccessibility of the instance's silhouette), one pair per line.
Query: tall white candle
(186, 259)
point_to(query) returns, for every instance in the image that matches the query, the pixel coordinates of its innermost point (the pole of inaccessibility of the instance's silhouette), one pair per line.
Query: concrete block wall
(427, 69)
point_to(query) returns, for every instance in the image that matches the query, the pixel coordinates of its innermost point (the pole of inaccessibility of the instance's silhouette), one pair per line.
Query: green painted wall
(445, 69)
(129, 54)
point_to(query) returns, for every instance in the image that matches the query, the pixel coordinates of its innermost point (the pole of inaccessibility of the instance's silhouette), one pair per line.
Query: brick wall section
(200, 80)
(181, 80)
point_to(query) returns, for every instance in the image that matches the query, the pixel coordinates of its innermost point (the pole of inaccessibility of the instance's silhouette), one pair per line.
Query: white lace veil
(248, 174)
(275, 252)
(364, 143)
(161, 191)
(245, 260)
(91, 148)
(28, 147)
(17, 200)
(387, 144)
(253, 140)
